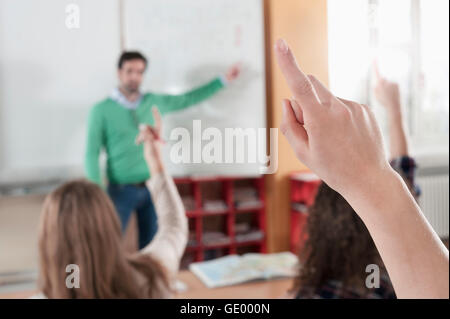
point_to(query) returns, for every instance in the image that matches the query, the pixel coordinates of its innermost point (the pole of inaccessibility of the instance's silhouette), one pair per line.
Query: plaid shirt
(406, 167)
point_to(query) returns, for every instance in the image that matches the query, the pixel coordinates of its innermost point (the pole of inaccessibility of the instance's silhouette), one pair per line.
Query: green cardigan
(114, 127)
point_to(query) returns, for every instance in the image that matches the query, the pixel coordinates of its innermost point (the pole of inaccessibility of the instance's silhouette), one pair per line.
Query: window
(409, 41)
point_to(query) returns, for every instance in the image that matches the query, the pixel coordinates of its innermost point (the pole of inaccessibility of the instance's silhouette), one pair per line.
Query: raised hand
(152, 140)
(337, 139)
(387, 93)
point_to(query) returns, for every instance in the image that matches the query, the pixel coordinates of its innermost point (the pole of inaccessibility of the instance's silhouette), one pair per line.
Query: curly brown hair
(338, 247)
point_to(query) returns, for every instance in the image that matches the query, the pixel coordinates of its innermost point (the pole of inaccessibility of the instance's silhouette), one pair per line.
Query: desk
(267, 289)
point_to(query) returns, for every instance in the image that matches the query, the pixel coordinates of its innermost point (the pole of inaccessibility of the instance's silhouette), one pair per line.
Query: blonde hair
(79, 225)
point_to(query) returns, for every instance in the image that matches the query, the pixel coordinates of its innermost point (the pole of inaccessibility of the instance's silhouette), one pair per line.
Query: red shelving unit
(198, 189)
(304, 185)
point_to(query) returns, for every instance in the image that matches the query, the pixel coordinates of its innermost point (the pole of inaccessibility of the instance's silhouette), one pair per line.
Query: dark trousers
(129, 198)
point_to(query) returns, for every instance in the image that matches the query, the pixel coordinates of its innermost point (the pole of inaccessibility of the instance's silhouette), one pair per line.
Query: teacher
(113, 125)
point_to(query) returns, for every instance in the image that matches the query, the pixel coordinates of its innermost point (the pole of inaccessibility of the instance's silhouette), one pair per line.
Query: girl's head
(79, 226)
(339, 246)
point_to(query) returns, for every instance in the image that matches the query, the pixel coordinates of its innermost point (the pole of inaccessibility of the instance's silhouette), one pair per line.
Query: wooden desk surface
(268, 289)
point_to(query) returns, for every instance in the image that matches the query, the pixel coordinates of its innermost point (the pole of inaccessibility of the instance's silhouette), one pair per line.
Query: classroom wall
(19, 218)
(303, 24)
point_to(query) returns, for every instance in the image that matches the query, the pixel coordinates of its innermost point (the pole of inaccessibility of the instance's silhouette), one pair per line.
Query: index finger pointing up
(157, 118)
(298, 82)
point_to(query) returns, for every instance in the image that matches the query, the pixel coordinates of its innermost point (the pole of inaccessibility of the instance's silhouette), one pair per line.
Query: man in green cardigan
(113, 124)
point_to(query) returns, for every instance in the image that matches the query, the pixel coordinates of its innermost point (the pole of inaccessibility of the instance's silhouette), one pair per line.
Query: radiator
(434, 201)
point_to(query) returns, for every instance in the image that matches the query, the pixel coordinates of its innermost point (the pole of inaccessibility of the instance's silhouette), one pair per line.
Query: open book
(234, 269)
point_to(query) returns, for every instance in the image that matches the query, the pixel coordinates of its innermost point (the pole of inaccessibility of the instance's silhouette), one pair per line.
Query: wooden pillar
(303, 24)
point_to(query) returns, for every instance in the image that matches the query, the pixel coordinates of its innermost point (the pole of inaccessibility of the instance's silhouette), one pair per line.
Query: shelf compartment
(304, 186)
(200, 190)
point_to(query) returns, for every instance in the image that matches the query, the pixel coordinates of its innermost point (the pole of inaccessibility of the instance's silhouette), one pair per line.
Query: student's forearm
(414, 256)
(155, 164)
(170, 240)
(397, 134)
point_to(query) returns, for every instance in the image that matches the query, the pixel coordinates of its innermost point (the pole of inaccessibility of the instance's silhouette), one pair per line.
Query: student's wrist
(156, 178)
(156, 166)
(374, 193)
(394, 112)
(154, 162)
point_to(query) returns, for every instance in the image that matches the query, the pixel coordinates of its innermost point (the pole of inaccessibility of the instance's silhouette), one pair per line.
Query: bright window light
(409, 40)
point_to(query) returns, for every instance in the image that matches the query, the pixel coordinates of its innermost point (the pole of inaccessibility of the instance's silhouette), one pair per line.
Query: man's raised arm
(169, 103)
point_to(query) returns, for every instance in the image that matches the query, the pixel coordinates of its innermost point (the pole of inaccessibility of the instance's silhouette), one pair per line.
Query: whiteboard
(191, 42)
(52, 77)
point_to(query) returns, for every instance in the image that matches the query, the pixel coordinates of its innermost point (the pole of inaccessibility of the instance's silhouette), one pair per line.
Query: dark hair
(338, 247)
(130, 55)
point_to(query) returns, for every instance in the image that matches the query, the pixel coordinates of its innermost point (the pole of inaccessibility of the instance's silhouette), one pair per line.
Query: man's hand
(233, 72)
(337, 139)
(151, 137)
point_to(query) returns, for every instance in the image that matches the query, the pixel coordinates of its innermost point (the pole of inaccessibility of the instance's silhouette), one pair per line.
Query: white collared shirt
(118, 96)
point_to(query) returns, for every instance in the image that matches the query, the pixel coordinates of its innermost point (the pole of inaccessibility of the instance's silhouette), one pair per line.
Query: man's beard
(132, 88)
